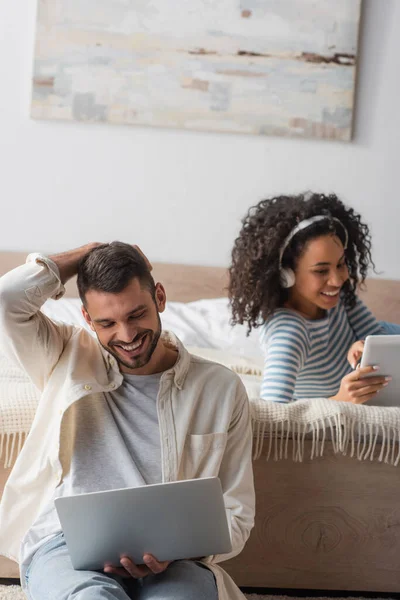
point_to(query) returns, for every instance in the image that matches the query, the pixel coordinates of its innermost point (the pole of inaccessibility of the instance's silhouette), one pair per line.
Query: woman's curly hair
(255, 291)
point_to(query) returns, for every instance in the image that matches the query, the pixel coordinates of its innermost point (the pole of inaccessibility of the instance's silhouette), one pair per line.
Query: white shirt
(116, 444)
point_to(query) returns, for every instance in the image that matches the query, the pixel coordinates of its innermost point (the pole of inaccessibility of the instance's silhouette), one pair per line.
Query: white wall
(181, 195)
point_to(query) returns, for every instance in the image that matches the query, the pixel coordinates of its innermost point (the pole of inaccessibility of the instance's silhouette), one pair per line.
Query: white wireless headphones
(287, 276)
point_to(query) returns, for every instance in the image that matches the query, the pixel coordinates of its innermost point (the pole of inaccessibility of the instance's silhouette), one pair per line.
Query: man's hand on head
(129, 569)
(148, 263)
(67, 262)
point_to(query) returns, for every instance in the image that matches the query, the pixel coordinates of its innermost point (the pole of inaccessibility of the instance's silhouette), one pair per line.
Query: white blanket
(18, 402)
(364, 432)
(356, 430)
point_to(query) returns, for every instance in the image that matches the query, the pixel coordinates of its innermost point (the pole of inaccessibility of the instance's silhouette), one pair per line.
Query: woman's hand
(357, 389)
(355, 353)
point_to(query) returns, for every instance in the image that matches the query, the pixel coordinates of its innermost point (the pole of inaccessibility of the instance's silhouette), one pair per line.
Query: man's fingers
(130, 569)
(154, 565)
(136, 571)
(148, 263)
(110, 570)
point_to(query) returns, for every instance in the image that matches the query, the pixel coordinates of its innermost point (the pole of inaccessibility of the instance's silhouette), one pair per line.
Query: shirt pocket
(203, 454)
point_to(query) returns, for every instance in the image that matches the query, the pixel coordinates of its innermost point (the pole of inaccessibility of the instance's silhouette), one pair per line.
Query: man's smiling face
(127, 324)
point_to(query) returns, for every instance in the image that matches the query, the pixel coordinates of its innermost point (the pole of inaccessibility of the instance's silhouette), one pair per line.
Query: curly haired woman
(295, 270)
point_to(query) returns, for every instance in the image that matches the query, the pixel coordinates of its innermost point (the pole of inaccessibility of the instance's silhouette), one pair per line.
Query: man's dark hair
(110, 268)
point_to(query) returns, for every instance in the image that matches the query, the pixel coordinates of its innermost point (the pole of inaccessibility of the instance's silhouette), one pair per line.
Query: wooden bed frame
(332, 523)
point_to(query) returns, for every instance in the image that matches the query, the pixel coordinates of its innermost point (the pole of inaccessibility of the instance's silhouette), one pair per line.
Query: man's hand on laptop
(129, 569)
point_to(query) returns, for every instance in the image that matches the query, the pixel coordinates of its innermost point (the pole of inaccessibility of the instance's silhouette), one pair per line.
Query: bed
(329, 522)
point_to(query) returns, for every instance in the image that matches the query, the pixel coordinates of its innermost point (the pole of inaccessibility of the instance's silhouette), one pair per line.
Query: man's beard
(139, 361)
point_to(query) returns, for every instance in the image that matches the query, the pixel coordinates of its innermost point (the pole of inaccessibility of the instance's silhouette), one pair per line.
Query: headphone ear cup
(288, 278)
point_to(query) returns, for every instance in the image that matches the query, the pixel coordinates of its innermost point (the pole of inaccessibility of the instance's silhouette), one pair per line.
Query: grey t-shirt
(115, 443)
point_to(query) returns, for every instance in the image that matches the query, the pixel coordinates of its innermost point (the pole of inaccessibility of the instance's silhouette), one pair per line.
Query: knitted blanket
(363, 432)
(18, 402)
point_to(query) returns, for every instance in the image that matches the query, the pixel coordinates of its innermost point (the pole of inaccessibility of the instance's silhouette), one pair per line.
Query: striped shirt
(308, 359)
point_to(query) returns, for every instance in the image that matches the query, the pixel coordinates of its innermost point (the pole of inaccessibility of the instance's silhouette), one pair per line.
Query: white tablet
(384, 351)
(183, 519)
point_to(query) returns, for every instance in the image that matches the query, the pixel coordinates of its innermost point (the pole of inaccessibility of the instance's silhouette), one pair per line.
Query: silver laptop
(384, 351)
(183, 519)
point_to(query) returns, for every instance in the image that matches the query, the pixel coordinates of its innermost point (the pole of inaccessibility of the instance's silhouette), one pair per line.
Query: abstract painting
(264, 67)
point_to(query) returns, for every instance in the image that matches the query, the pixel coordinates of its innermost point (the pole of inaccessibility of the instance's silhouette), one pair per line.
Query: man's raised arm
(27, 336)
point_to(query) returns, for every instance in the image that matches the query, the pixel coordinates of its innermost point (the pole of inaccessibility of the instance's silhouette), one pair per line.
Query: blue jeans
(50, 576)
(390, 328)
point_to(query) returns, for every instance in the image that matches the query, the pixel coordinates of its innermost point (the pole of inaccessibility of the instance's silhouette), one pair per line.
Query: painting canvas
(275, 67)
